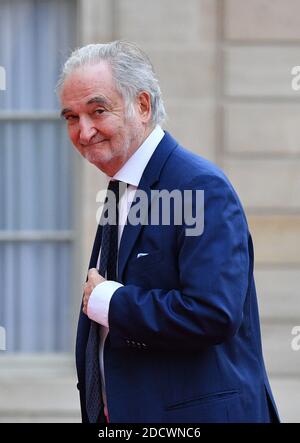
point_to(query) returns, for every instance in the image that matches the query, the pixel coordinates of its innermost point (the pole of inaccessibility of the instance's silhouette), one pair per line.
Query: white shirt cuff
(98, 305)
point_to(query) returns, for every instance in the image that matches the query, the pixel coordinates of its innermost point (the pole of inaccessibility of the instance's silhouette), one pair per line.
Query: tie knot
(117, 187)
(113, 185)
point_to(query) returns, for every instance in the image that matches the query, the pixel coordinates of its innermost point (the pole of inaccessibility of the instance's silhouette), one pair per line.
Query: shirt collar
(132, 171)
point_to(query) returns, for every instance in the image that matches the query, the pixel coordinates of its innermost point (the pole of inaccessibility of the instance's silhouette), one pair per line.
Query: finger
(86, 298)
(88, 287)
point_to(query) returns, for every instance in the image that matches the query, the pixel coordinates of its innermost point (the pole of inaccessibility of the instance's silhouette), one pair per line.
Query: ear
(144, 106)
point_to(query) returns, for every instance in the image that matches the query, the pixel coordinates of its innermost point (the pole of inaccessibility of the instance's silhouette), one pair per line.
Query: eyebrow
(100, 100)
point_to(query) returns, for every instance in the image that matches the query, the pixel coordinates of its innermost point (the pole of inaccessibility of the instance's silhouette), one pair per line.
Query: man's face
(96, 118)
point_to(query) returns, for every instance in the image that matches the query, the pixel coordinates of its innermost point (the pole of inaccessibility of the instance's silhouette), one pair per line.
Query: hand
(94, 279)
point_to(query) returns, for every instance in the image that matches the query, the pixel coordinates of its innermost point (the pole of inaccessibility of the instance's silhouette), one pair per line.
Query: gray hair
(131, 68)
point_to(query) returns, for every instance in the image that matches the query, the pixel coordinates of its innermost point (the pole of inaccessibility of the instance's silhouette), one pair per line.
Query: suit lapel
(149, 178)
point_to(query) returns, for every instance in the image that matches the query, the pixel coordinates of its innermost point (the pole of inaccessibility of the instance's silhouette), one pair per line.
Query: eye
(70, 117)
(99, 111)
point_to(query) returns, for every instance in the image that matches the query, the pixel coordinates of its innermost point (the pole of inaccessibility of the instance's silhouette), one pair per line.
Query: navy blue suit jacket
(184, 343)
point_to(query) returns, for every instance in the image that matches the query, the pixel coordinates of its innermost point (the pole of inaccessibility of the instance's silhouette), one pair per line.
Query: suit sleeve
(207, 309)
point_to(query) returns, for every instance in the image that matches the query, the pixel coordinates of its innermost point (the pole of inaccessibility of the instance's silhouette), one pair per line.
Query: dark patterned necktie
(108, 269)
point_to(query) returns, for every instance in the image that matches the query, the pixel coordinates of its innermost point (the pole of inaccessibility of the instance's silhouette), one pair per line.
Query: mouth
(93, 144)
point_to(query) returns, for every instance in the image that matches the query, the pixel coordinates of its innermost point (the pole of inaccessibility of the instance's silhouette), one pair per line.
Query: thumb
(93, 272)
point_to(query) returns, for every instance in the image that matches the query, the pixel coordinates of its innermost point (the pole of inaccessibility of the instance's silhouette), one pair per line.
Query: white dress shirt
(130, 173)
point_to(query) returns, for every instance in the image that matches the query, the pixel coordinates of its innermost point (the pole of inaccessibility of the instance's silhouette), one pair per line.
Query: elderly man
(169, 327)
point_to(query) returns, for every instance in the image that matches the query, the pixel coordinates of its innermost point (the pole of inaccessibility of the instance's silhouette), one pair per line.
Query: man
(178, 324)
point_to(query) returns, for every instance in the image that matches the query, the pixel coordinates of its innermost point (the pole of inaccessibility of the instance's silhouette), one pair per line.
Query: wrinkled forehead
(89, 81)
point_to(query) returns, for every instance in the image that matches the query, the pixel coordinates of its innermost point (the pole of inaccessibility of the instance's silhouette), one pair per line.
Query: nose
(86, 131)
